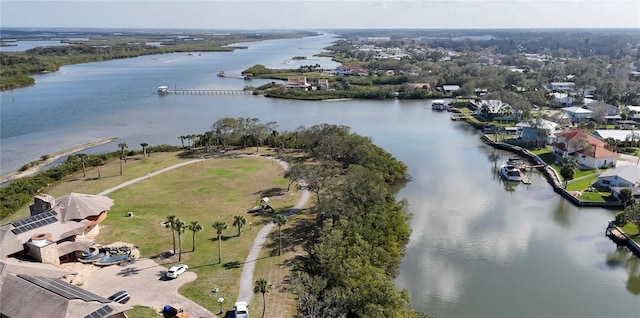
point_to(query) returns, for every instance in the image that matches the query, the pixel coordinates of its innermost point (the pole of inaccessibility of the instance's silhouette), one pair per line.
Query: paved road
(246, 278)
(145, 282)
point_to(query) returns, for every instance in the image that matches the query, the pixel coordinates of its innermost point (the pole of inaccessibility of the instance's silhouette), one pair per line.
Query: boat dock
(622, 239)
(458, 116)
(524, 178)
(247, 76)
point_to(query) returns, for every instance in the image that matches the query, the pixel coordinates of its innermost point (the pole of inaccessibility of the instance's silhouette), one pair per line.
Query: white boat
(163, 90)
(510, 172)
(438, 104)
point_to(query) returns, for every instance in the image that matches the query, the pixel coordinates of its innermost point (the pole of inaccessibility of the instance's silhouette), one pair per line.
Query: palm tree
(83, 158)
(171, 220)
(144, 149)
(122, 147)
(179, 227)
(182, 138)
(219, 226)
(239, 221)
(279, 220)
(262, 286)
(194, 227)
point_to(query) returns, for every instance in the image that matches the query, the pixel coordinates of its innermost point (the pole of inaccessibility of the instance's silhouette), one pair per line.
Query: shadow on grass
(272, 192)
(222, 237)
(228, 265)
(294, 235)
(231, 265)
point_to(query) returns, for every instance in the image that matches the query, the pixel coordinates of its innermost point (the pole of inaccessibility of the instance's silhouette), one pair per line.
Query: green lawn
(208, 191)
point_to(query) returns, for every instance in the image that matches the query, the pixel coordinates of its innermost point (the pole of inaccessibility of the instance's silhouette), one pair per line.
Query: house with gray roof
(577, 114)
(610, 113)
(624, 176)
(31, 250)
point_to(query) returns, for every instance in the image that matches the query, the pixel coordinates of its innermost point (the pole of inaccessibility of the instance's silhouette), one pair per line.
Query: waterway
(479, 247)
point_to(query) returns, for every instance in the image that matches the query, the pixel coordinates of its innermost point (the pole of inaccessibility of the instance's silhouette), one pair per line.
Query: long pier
(205, 92)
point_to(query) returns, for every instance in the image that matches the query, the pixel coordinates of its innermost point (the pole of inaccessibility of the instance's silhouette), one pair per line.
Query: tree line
(359, 232)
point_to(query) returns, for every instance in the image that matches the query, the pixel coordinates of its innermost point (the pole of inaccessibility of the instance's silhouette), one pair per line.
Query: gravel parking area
(144, 280)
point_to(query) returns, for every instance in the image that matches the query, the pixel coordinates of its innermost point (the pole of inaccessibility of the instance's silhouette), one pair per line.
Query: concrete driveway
(144, 280)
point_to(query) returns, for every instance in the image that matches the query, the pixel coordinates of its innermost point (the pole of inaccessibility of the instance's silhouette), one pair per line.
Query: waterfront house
(347, 69)
(31, 250)
(536, 130)
(624, 176)
(494, 109)
(589, 151)
(297, 83)
(450, 89)
(577, 114)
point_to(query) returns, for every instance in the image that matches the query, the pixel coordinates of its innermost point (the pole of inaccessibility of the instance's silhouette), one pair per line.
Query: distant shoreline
(40, 165)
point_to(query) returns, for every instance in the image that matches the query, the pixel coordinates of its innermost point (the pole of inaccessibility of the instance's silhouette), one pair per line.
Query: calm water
(23, 45)
(479, 247)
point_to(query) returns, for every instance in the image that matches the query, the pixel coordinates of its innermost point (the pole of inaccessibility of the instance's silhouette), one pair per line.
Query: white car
(177, 270)
(241, 309)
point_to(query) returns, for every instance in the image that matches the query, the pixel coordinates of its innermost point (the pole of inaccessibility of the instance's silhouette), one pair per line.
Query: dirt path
(36, 168)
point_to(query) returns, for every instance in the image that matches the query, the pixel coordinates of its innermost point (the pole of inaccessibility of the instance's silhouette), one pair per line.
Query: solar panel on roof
(64, 289)
(34, 222)
(100, 313)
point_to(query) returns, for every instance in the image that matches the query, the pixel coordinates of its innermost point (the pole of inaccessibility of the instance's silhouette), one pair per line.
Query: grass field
(208, 191)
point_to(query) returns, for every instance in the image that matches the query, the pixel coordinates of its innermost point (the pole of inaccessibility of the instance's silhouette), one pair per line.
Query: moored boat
(438, 104)
(510, 172)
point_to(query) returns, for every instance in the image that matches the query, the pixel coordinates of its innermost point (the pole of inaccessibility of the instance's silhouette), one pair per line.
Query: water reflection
(624, 258)
(561, 213)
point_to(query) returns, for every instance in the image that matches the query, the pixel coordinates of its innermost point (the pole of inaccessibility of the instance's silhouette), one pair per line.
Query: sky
(321, 14)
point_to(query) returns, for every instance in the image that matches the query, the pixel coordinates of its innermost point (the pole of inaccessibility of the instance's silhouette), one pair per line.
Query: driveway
(144, 280)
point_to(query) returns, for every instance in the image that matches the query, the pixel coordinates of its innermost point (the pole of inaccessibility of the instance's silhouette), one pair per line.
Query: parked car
(177, 270)
(241, 309)
(120, 297)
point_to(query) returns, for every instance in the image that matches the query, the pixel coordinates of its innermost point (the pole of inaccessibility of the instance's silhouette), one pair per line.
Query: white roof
(576, 110)
(542, 123)
(617, 134)
(633, 108)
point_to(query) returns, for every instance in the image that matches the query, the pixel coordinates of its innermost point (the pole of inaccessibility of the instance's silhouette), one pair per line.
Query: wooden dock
(247, 76)
(524, 178)
(614, 233)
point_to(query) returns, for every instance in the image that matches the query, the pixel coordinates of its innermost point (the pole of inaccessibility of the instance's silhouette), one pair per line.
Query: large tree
(219, 226)
(262, 286)
(224, 128)
(194, 227)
